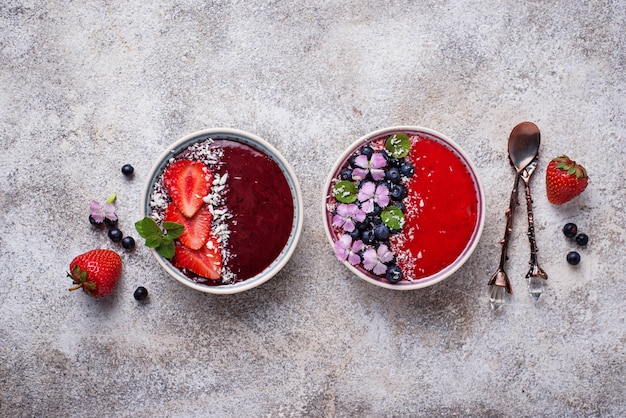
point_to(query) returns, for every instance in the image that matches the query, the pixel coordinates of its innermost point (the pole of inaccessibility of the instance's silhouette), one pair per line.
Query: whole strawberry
(96, 271)
(564, 180)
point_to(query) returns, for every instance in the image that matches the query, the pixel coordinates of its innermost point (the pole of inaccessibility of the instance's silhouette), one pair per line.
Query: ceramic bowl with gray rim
(258, 144)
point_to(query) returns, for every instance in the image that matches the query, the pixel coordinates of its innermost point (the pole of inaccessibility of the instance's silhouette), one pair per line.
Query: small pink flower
(99, 212)
(374, 166)
(375, 260)
(370, 193)
(347, 215)
(346, 249)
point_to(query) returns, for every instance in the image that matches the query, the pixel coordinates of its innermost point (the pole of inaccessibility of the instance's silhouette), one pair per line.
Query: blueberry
(393, 175)
(362, 226)
(570, 230)
(110, 223)
(407, 169)
(346, 174)
(582, 239)
(94, 222)
(398, 192)
(141, 293)
(573, 258)
(399, 204)
(368, 236)
(395, 162)
(381, 232)
(115, 234)
(355, 235)
(394, 274)
(373, 219)
(127, 170)
(376, 211)
(352, 161)
(128, 243)
(367, 151)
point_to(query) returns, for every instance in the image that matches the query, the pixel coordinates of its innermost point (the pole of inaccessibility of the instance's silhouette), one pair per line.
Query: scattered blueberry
(407, 169)
(141, 293)
(128, 242)
(367, 151)
(398, 192)
(110, 223)
(346, 174)
(582, 239)
(127, 170)
(115, 234)
(393, 175)
(573, 258)
(570, 230)
(94, 222)
(381, 232)
(395, 162)
(394, 273)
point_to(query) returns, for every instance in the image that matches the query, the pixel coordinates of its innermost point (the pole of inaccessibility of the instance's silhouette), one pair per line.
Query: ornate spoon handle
(499, 281)
(535, 274)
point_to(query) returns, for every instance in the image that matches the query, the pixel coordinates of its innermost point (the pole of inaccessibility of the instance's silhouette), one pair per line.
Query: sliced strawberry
(188, 182)
(205, 262)
(197, 228)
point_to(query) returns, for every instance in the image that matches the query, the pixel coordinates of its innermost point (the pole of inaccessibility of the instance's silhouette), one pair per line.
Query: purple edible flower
(374, 166)
(371, 193)
(374, 260)
(98, 212)
(346, 216)
(346, 249)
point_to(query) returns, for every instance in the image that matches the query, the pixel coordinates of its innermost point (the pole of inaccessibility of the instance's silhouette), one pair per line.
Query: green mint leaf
(167, 248)
(173, 229)
(398, 145)
(147, 227)
(345, 191)
(393, 217)
(154, 241)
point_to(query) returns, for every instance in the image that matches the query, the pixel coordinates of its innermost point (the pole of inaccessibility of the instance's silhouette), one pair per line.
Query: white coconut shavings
(207, 153)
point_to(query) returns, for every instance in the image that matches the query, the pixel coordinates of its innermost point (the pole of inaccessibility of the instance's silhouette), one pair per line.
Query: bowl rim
(290, 175)
(476, 234)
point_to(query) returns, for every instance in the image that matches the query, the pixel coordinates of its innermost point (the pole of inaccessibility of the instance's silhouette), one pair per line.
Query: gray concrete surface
(90, 85)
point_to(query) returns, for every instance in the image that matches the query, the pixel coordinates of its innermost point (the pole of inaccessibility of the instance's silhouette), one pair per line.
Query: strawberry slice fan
(523, 148)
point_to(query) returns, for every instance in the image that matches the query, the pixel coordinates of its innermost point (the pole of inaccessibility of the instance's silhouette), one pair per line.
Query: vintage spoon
(523, 147)
(535, 274)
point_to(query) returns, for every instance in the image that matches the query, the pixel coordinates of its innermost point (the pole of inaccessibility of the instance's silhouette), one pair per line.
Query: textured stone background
(90, 85)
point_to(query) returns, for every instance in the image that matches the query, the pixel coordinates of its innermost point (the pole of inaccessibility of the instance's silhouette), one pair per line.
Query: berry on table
(564, 180)
(128, 242)
(94, 222)
(573, 258)
(127, 170)
(141, 293)
(110, 223)
(96, 272)
(582, 239)
(570, 230)
(115, 234)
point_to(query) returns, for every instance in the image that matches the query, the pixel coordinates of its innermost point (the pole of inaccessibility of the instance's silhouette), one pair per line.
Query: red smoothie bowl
(247, 212)
(403, 207)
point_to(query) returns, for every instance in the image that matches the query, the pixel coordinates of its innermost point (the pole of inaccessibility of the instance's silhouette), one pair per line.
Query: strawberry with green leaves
(564, 180)
(96, 272)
